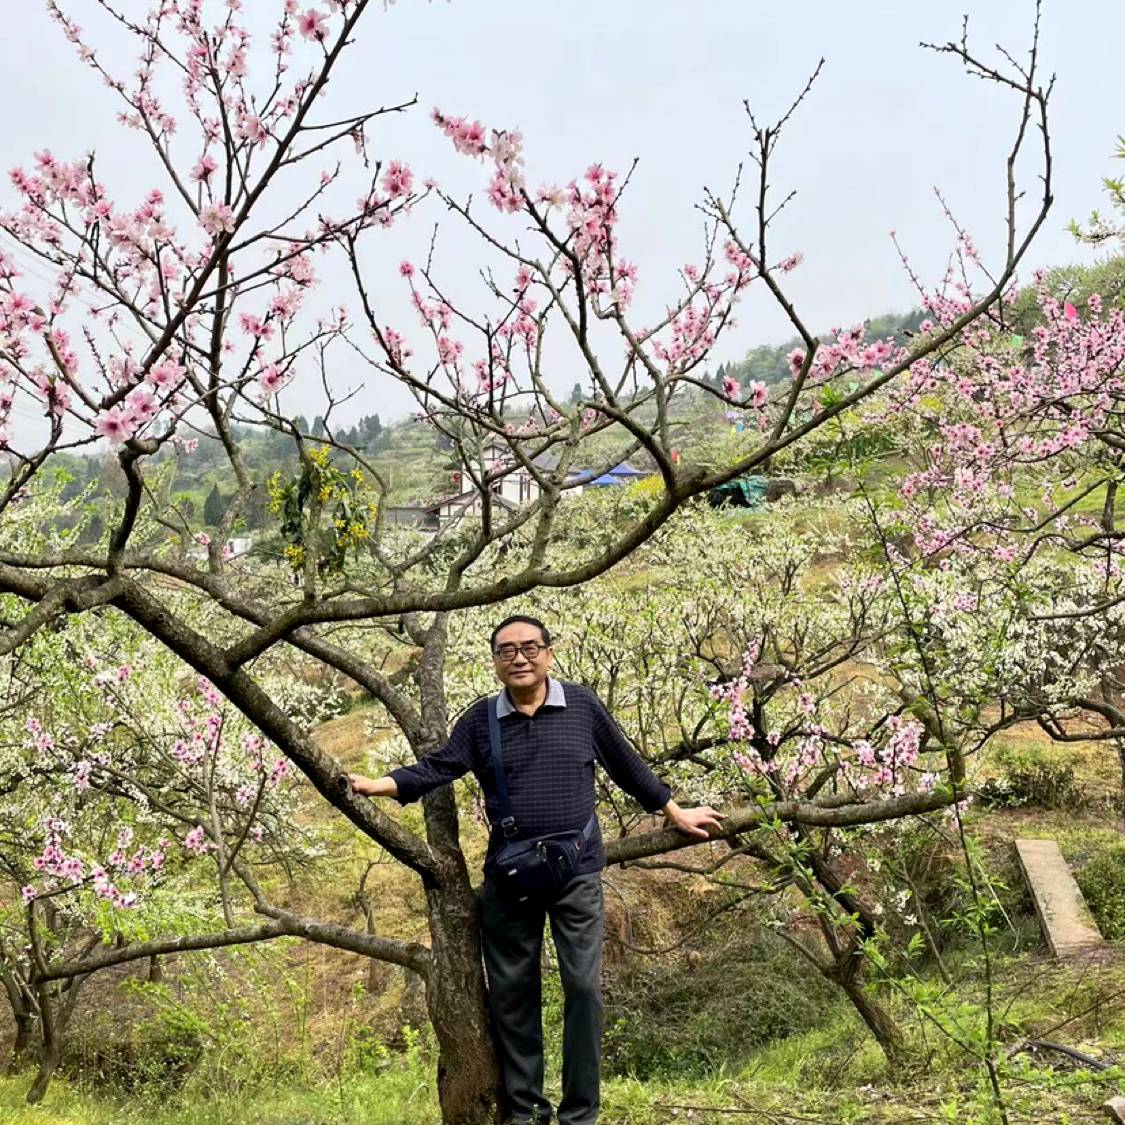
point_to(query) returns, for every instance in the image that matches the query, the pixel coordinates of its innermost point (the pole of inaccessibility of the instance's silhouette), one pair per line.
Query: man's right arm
(373, 787)
(439, 767)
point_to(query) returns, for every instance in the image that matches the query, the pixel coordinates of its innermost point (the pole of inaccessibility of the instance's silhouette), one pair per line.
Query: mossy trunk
(50, 1055)
(468, 1072)
(22, 1043)
(879, 1021)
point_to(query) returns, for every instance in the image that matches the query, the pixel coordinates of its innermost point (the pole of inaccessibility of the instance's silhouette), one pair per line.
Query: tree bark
(469, 1086)
(21, 1045)
(468, 1072)
(848, 961)
(51, 1023)
(49, 1056)
(1121, 795)
(23, 1017)
(880, 1023)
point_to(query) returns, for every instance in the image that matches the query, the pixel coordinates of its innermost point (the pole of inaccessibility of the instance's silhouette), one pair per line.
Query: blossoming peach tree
(1021, 474)
(177, 312)
(133, 797)
(796, 662)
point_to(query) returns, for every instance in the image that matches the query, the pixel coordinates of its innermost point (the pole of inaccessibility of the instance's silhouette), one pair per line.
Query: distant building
(515, 484)
(232, 549)
(410, 516)
(453, 508)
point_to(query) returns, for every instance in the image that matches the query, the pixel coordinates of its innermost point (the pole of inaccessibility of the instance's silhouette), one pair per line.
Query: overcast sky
(609, 80)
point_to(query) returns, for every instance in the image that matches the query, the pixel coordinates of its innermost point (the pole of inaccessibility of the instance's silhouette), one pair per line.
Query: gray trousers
(513, 942)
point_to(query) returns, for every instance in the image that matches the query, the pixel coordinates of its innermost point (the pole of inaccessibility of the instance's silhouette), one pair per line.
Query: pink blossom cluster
(887, 767)
(59, 200)
(516, 335)
(1016, 404)
(592, 214)
(468, 137)
(111, 261)
(757, 393)
(848, 351)
(792, 756)
(42, 741)
(62, 869)
(196, 841)
(692, 332)
(380, 208)
(591, 205)
(738, 695)
(204, 752)
(505, 189)
(692, 328)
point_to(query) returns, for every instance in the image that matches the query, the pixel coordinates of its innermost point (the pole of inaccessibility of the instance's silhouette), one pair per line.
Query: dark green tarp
(742, 492)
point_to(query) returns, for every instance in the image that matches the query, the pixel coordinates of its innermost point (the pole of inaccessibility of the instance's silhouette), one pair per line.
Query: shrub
(708, 1009)
(159, 1054)
(1102, 880)
(1033, 779)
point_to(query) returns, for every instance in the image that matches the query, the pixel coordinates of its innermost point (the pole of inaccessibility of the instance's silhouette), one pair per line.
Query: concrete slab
(1114, 1109)
(1064, 917)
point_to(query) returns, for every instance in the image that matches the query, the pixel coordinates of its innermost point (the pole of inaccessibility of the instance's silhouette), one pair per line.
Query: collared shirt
(549, 761)
(556, 697)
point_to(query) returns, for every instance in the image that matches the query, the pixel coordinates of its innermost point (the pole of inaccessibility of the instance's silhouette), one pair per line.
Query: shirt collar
(556, 697)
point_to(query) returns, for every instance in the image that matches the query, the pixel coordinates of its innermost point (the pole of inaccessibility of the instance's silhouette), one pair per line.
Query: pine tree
(372, 431)
(256, 512)
(213, 507)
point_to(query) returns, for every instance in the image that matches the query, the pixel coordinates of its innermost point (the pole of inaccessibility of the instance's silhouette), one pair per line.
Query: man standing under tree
(550, 736)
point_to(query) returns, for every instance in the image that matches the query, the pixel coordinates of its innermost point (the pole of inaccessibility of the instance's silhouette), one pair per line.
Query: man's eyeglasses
(529, 650)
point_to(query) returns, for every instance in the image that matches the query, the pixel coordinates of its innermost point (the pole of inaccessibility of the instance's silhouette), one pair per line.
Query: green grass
(808, 1069)
(833, 1074)
(397, 1097)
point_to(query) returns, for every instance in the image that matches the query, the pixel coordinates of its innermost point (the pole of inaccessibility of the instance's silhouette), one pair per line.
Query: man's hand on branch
(693, 822)
(373, 787)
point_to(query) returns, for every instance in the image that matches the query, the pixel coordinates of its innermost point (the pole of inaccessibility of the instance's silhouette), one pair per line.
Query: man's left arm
(633, 774)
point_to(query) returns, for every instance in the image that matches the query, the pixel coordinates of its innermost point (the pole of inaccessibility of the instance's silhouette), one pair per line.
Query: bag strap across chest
(507, 821)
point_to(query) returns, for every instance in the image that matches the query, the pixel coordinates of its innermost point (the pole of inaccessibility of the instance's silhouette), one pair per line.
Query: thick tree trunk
(1121, 796)
(21, 1045)
(469, 1087)
(844, 968)
(847, 964)
(55, 1002)
(50, 1055)
(24, 1018)
(881, 1024)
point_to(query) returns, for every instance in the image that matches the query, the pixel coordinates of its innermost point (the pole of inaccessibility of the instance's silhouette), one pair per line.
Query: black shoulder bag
(531, 870)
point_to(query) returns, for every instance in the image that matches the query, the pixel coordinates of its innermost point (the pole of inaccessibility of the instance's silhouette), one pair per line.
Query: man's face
(523, 670)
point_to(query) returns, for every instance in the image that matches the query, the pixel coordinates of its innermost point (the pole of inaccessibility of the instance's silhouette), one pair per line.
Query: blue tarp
(619, 474)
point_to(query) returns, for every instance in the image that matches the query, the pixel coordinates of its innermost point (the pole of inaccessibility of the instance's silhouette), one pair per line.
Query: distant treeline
(770, 365)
